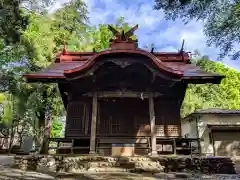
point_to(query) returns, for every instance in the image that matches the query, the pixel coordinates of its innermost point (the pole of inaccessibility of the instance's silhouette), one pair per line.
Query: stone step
(85, 163)
(138, 166)
(6, 160)
(108, 169)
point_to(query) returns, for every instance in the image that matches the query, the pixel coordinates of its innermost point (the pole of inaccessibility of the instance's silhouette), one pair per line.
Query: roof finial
(182, 50)
(115, 32)
(122, 36)
(152, 50)
(64, 47)
(131, 31)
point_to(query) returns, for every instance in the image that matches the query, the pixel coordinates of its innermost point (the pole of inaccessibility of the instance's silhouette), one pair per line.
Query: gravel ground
(16, 174)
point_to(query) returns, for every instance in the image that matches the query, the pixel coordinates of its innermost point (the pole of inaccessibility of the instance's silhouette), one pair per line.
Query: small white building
(218, 129)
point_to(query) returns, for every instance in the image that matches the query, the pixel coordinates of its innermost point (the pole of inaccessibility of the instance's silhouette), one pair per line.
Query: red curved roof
(159, 64)
(70, 62)
(176, 64)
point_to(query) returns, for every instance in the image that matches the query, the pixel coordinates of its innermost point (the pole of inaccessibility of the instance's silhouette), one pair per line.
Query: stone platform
(80, 164)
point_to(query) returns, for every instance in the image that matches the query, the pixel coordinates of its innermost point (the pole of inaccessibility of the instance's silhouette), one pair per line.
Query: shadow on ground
(16, 174)
(106, 176)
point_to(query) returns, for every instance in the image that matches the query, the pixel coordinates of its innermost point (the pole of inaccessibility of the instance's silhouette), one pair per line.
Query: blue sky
(153, 28)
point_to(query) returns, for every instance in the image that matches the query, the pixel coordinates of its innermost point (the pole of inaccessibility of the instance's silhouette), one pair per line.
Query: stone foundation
(77, 164)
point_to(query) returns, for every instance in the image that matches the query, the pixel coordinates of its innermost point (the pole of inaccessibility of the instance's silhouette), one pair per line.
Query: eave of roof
(188, 72)
(212, 111)
(177, 64)
(159, 64)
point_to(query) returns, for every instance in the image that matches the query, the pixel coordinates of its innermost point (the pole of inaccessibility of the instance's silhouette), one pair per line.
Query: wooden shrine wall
(167, 114)
(78, 121)
(123, 117)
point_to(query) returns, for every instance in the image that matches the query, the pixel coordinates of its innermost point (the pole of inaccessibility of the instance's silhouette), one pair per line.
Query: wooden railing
(67, 144)
(105, 142)
(181, 144)
(140, 142)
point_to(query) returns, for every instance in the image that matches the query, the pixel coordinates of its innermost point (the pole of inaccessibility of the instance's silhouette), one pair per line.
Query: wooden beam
(152, 124)
(123, 94)
(93, 125)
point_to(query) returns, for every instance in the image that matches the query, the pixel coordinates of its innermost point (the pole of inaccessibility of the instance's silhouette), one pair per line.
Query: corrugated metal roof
(212, 111)
(55, 70)
(217, 111)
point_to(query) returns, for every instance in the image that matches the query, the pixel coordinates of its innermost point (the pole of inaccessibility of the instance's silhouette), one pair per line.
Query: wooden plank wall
(167, 114)
(78, 119)
(126, 117)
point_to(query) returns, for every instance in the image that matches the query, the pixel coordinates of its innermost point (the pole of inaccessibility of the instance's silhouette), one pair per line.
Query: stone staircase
(126, 165)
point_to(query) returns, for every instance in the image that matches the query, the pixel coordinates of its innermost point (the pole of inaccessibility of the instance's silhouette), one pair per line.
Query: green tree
(225, 95)
(5, 109)
(13, 19)
(39, 43)
(221, 20)
(56, 128)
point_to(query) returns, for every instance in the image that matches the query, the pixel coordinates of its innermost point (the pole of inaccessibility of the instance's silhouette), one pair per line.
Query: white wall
(190, 128)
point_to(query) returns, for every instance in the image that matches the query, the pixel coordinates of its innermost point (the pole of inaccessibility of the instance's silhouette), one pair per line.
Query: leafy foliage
(39, 42)
(56, 128)
(225, 95)
(13, 20)
(221, 20)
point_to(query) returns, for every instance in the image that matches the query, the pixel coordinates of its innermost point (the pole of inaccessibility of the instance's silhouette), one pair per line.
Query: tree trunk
(47, 130)
(11, 137)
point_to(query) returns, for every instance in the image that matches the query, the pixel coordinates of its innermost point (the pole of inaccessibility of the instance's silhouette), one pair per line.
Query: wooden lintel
(123, 94)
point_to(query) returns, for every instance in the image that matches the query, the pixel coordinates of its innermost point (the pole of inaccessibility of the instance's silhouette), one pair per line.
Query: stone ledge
(78, 164)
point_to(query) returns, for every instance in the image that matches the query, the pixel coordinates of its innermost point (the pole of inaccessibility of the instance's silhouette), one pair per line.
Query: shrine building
(124, 97)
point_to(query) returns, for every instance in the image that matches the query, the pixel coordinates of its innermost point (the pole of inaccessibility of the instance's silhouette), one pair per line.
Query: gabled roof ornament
(182, 47)
(152, 50)
(131, 31)
(181, 51)
(122, 40)
(115, 32)
(123, 36)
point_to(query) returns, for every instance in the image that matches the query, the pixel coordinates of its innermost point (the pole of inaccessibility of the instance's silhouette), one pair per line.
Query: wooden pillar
(93, 125)
(152, 124)
(174, 146)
